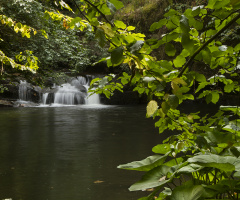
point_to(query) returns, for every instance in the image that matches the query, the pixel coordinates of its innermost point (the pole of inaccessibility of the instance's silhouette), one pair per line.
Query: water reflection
(57, 153)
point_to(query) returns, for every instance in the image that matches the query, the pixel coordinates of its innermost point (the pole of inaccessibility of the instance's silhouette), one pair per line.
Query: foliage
(203, 153)
(201, 159)
(27, 27)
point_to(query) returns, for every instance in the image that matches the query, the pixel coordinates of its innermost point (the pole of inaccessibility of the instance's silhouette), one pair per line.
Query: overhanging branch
(207, 43)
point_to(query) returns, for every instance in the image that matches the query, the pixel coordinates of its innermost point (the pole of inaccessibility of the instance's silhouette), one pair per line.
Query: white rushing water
(74, 92)
(23, 91)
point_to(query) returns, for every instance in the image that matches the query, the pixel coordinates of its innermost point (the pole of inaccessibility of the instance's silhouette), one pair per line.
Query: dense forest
(174, 52)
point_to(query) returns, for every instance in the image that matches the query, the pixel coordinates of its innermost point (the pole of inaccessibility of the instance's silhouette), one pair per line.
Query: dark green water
(49, 153)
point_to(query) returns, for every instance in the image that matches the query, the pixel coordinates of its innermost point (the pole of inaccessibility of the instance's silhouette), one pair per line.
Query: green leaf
(100, 36)
(120, 24)
(179, 81)
(187, 43)
(118, 4)
(237, 47)
(170, 49)
(235, 151)
(208, 98)
(201, 86)
(161, 148)
(229, 87)
(151, 108)
(225, 163)
(234, 109)
(165, 107)
(184, 25)
(187, 192)
(215, 137)
(211, 4)
(171, 12)
(221, 4)
(159, 24)
(206, 55)
(189, 169)
(154, 178)
(107, 29)
(105, 9)
(166, 64)
(200, 77)
(130, 28)
(117, 56)
(146, 164)
(215, 97)
(44, 34)
(111, 7)
(173, 101)
(179, 61)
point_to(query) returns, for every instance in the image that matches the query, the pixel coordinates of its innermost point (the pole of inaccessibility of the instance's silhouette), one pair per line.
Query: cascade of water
(92, 98)
(44, 98)
(72, 93)
(69, 95)
(23, 91)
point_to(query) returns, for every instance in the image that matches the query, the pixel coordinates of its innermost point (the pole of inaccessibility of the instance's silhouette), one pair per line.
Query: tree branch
(81, 11)
(208, 42)
(96, 8)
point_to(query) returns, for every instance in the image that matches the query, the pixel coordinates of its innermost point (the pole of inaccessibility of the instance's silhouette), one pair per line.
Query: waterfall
(69, 95)
(44, 98)
(24, 91)
(74, 92)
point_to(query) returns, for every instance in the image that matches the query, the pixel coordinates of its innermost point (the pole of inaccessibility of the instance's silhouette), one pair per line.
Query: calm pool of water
(72, 153)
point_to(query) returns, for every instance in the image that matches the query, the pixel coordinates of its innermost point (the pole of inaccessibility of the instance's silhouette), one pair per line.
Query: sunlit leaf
(151, 108)
(179, 61)
(215, 97)
(118, 4)
(120, 24)
(229, 87)
(161, 148)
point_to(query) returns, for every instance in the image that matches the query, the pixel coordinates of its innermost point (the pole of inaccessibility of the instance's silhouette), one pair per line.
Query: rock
(11, 91)
(5, 103)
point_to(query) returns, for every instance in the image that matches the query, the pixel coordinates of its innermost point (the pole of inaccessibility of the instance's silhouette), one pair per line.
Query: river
(72, 152)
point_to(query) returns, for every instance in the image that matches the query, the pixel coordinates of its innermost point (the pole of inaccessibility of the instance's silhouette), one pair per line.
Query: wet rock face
(11, 92)
(6, 103)
(27, 92)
